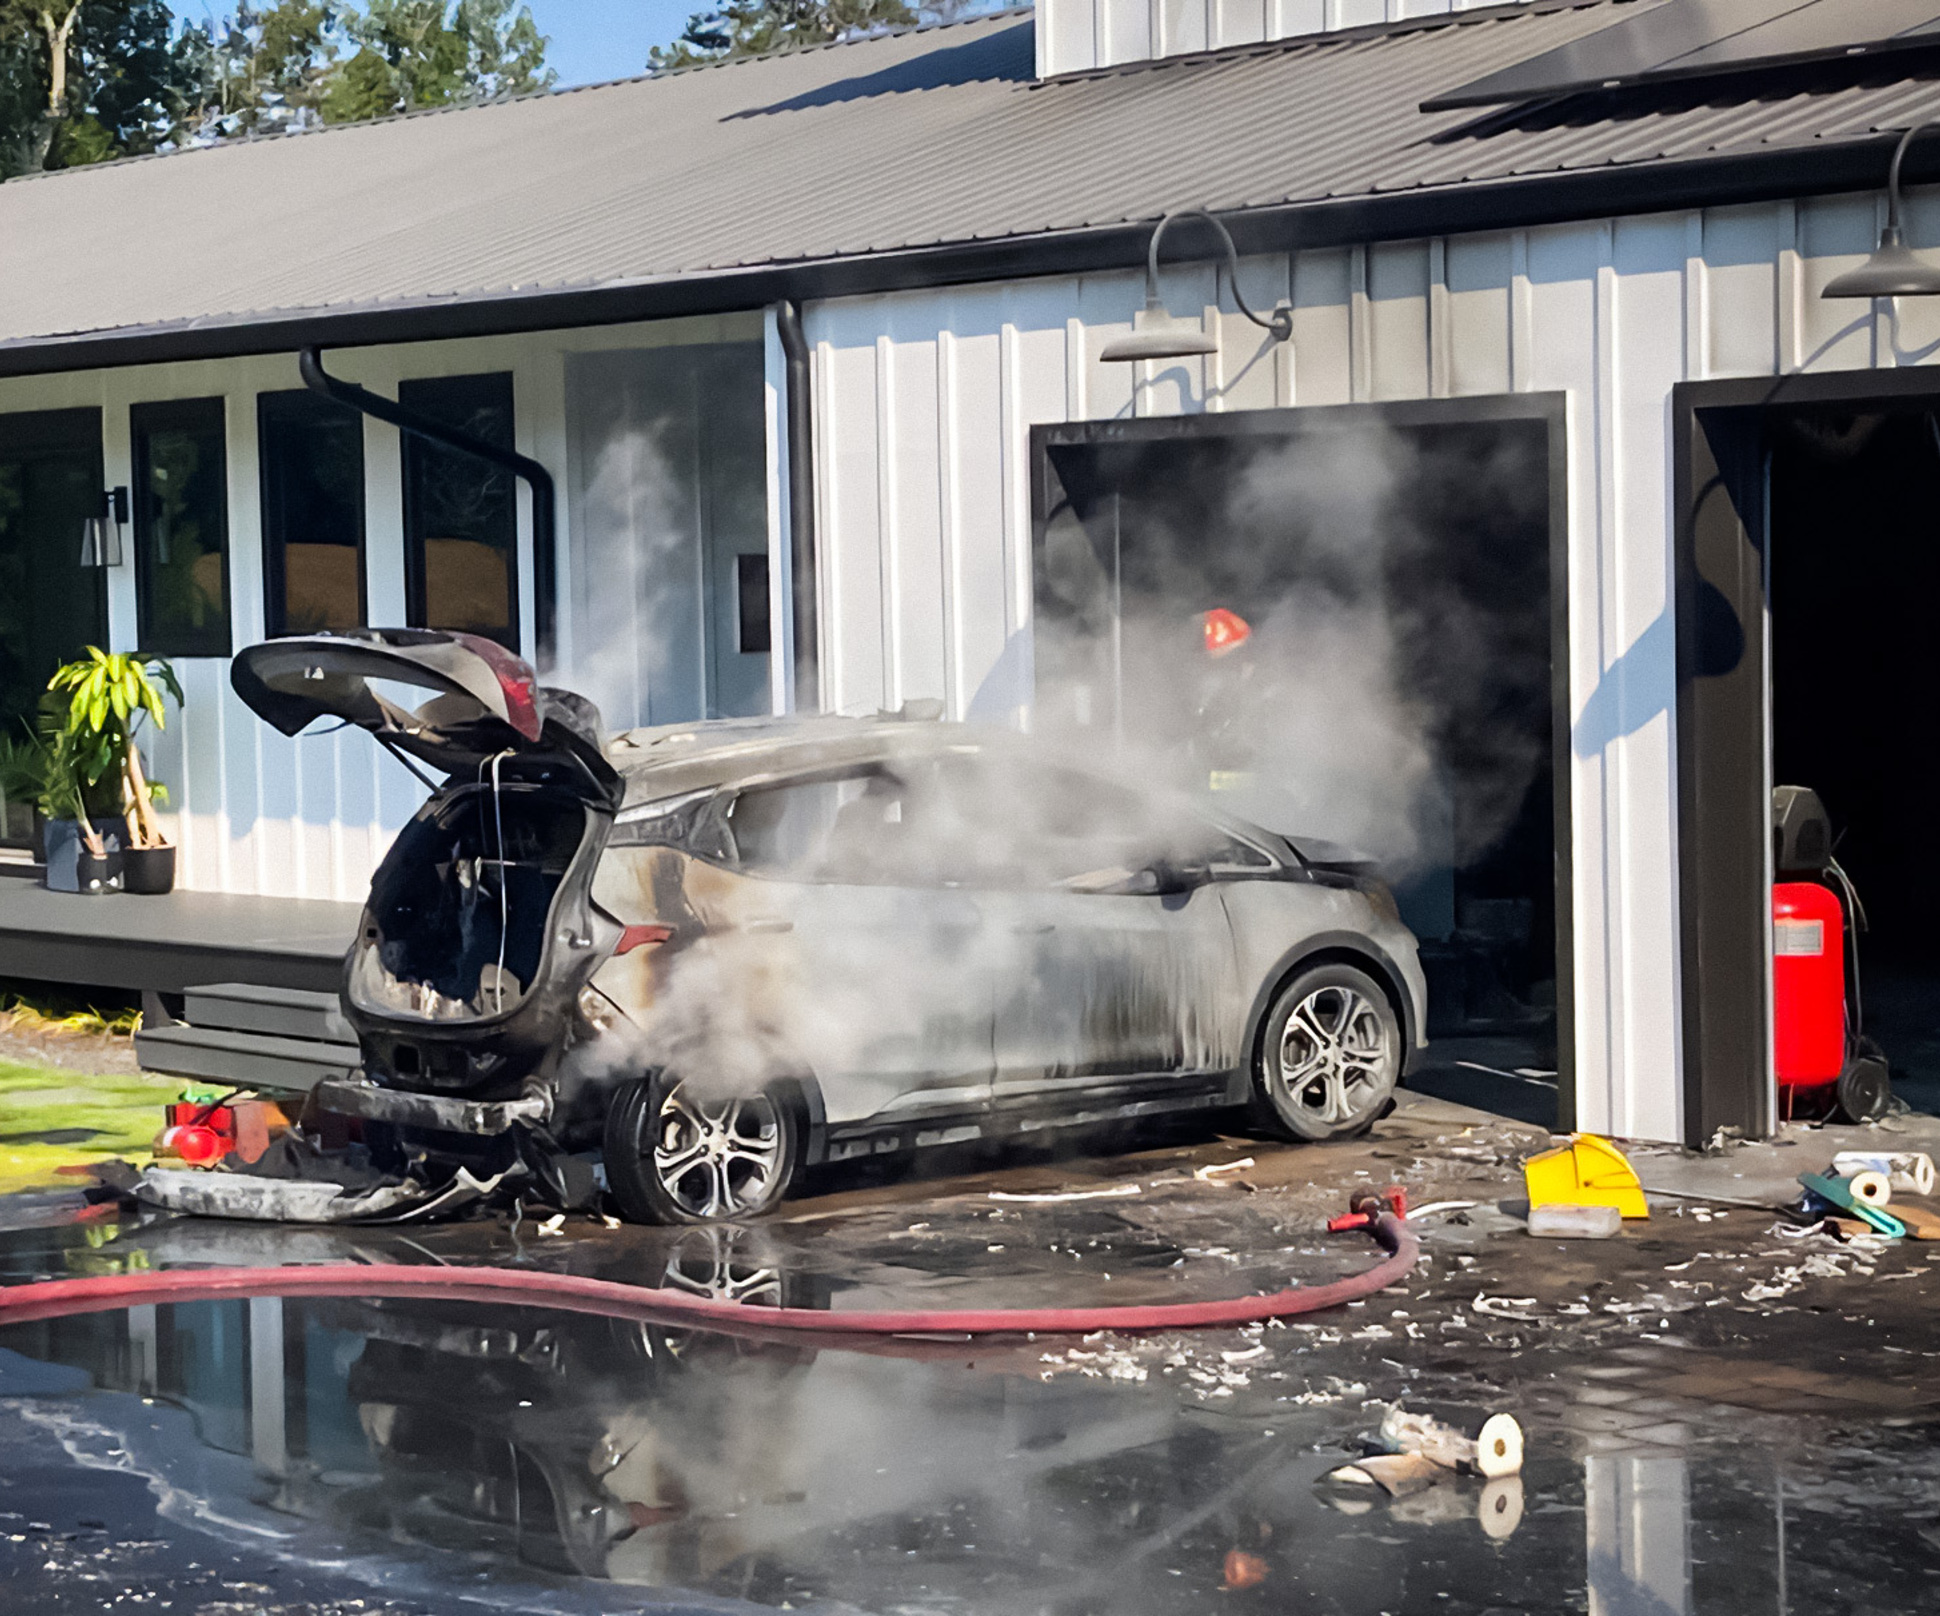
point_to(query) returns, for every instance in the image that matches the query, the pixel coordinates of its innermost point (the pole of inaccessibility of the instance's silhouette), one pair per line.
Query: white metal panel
(1642, 357)
(1478, 276)
(1397, 292)
(1074, 36)
(1834, 235)
(1323, 344)
(1736, 279)
(1239, 22)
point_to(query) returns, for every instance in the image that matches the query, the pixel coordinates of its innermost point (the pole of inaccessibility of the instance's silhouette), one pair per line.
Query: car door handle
(769, 925)
(1033, 928)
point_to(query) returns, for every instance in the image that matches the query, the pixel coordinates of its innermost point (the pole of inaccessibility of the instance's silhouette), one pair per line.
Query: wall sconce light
(1894, 269)
(1156, 335)
(101, 532)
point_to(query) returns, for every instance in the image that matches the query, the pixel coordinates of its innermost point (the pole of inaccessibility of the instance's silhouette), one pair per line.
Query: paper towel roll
(1908, 1171)
(1874, 1188)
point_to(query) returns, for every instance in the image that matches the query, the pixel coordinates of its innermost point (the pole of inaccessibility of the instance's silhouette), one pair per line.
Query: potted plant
(110, 695)
(79, 854)
(24, 761)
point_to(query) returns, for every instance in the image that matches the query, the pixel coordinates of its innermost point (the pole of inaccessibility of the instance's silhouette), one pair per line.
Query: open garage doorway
(1855, 682)
(1805, 569)
(1347, 625)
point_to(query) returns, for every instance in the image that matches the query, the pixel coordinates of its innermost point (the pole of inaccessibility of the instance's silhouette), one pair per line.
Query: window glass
(312, 454)
(181, 527)
(1028, 825)
(871, 827)
(461, 513)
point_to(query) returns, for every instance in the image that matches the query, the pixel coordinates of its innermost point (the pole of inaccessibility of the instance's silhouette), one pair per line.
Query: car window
(874, 827)
(1025, 824)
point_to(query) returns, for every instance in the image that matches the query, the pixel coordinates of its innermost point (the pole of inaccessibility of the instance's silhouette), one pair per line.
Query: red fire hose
(56, 1298)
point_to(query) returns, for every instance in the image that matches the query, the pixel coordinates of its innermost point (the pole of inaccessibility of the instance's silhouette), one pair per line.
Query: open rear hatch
(481, 908)
(485, 702)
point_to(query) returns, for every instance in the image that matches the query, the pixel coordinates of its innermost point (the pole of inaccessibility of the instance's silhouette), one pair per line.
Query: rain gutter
(800, 428)
(545, 499)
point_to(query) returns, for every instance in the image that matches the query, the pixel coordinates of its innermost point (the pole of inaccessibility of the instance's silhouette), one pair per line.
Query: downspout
(800, 427)
(545, 566)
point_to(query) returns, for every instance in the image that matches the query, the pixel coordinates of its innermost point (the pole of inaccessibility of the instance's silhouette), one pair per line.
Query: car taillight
(641, 937)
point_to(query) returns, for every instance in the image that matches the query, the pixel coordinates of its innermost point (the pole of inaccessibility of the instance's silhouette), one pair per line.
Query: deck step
(244, 1059)
(277, 1012)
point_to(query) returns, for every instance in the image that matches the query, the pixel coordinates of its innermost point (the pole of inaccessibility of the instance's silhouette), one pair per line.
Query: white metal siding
(1074, 35)
(925, 401)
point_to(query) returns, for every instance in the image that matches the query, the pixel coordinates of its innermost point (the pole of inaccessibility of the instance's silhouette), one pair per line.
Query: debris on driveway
(1558, 1222)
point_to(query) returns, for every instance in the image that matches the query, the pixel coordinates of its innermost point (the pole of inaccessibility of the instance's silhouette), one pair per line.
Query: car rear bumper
(359, 1097)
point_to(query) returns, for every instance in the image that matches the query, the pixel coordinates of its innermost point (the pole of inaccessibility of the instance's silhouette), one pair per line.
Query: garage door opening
(1340, 623)
(1855, 677)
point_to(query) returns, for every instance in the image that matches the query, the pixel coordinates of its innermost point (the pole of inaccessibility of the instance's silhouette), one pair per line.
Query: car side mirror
(1169, 878)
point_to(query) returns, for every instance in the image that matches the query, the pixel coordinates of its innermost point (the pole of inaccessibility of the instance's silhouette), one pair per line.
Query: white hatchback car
(710, 955)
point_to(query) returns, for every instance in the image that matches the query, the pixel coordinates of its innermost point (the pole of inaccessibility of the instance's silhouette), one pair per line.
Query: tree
(263, 70)
(750, 27)
(84, 80)
(426, 53)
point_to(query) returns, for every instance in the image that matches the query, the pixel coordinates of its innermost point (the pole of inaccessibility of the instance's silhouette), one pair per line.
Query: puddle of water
(423, 1456)
(449, 1455)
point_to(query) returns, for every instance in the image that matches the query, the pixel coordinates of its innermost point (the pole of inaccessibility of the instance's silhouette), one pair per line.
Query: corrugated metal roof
(923, 139)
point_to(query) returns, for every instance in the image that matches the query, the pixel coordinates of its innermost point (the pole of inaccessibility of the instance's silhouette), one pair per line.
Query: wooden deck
(169, 944)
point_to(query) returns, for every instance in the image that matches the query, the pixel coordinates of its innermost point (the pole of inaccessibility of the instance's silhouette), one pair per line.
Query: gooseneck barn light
(1893, 270)
(1157, 335)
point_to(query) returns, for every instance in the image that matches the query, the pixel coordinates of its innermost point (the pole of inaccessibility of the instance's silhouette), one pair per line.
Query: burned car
(693, 960)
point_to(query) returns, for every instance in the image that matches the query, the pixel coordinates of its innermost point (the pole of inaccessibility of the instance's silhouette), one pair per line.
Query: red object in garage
(1808, 983)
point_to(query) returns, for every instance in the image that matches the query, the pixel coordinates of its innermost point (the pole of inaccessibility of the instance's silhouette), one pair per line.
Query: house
(813, 347)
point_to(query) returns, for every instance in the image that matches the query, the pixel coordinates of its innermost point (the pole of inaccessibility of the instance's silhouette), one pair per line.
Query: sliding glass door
(50, 604)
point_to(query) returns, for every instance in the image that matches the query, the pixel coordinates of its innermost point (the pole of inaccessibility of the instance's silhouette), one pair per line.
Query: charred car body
(705, 956)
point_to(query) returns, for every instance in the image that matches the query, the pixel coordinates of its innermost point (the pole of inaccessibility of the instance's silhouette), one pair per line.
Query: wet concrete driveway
(1722, 1417)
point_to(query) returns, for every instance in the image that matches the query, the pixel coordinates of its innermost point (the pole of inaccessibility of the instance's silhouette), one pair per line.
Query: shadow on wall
(1642, 682)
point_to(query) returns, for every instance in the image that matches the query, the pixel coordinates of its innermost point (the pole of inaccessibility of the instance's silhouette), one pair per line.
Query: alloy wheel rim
(716, 1159)
(1333, 1057)
(724, 1265)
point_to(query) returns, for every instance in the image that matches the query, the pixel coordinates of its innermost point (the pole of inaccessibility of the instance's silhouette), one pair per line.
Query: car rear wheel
(1330, 1056)
(676, 1154)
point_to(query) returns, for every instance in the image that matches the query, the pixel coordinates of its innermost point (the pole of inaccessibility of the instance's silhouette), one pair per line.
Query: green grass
(50, 1118)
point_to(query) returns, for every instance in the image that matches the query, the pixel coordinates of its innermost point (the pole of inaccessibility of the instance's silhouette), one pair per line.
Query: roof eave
(1517, 203)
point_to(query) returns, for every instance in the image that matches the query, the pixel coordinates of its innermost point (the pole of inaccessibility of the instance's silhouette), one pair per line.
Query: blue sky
(607, 39)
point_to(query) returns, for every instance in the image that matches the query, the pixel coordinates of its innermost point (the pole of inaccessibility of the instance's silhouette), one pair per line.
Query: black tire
(1865, 1089)
(674, 1158)
(1346, 1054)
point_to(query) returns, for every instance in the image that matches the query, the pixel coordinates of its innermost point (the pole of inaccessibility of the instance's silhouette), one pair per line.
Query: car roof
(671, 760)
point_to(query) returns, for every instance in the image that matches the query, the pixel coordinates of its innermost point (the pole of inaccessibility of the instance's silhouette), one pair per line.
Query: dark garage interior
(1391, 687)
(1855, 675)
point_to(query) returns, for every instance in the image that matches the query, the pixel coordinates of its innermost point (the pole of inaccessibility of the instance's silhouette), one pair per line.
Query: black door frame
(54, 432)
(1550, 409)
(1721, 577)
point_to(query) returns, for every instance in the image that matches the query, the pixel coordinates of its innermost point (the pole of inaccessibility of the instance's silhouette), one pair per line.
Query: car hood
(484, 701)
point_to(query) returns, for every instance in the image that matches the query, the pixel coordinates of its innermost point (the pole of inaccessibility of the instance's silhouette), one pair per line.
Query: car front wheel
(678, 1154)
(1330, 1056)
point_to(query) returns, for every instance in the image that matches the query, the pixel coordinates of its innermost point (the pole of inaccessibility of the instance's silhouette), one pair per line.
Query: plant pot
(71, 868)
(148, 870)
(94, 876)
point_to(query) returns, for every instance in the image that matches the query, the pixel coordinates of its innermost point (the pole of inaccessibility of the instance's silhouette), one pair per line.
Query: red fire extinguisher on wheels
(1822, 1056)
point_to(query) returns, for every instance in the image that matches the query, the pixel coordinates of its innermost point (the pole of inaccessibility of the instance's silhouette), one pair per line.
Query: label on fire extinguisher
(1798, 936)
